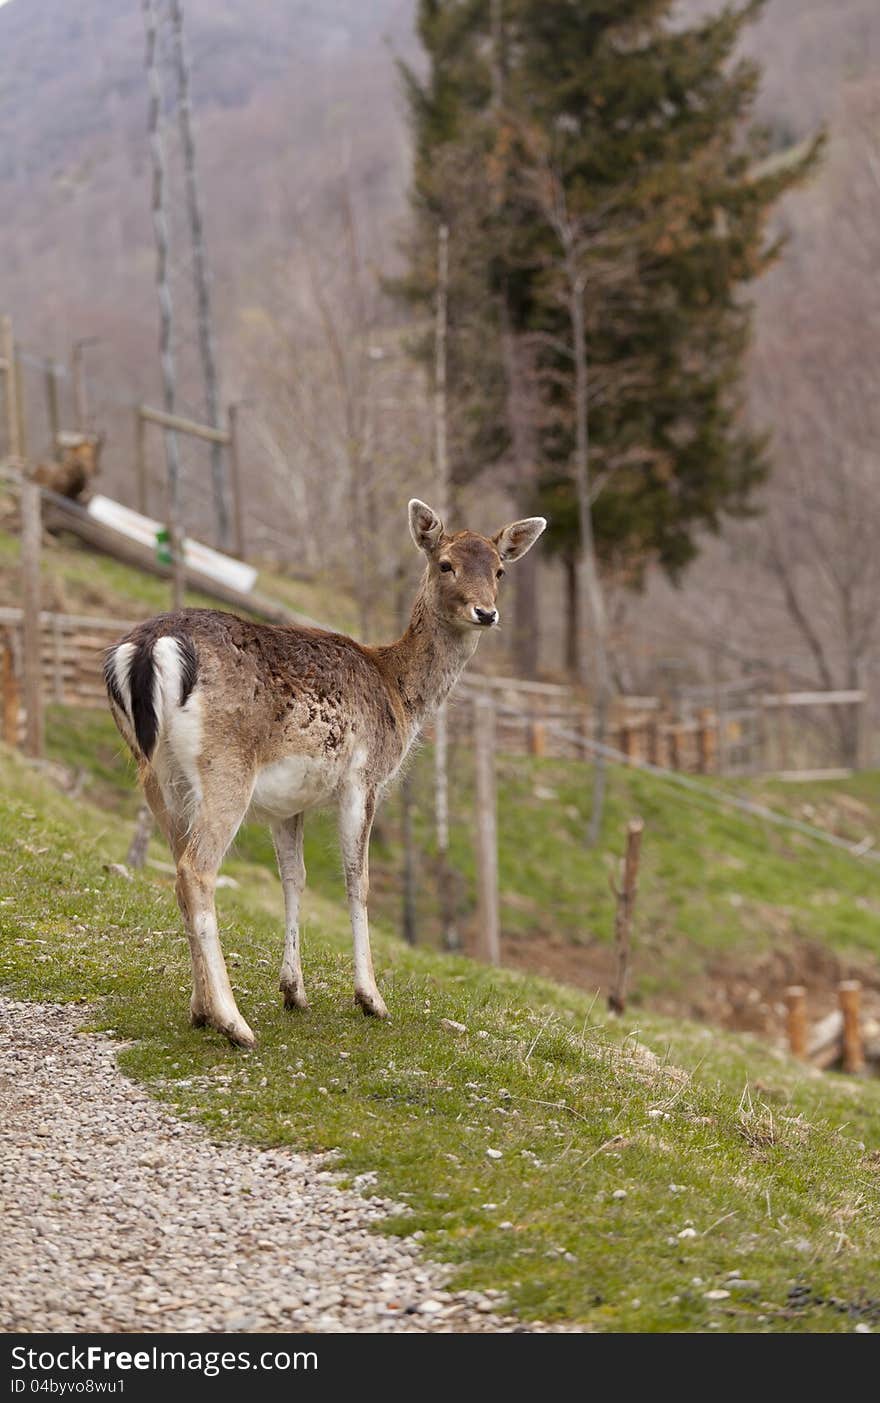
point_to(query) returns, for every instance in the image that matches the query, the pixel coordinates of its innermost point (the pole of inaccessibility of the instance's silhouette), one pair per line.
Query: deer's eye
(499, 574)
(446, 566)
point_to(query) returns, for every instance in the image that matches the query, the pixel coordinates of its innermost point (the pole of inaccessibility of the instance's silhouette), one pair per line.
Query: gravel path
(118, 1217)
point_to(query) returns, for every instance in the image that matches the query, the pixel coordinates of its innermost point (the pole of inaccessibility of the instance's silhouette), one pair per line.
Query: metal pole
(166, 350)
(200, 267)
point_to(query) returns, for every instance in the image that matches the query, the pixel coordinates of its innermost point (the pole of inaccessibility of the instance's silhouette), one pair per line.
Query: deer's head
(466, 569)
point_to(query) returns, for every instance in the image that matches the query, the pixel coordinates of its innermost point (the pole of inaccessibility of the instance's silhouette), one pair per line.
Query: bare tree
(343, 417)
(445, 877)
(520, 409)
(200, 268)
(576, 236)
(814, 386)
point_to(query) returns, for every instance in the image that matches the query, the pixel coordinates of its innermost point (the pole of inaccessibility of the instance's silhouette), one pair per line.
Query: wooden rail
(183, 426)
(542, 719)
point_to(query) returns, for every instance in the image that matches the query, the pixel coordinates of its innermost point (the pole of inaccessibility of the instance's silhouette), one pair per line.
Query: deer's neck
(424, 665)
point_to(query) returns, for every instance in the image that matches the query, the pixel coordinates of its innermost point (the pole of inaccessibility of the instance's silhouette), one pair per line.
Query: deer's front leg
(356, 811)
(288, 839)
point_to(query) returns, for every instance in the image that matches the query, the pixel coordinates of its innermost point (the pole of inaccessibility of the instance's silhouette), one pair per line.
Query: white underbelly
(290, 786)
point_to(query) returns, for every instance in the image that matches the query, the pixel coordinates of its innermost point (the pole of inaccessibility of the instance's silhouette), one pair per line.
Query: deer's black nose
(485, 616)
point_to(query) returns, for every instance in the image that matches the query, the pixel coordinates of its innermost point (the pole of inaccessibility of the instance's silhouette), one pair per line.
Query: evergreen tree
(639, 125)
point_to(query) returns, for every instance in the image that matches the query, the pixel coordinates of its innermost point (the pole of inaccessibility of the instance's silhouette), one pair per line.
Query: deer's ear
(514, 540)
(425, 525)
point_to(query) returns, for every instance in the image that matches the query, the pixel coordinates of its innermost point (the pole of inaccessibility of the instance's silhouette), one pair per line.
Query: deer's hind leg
(356, 810)
(288, 838)
(223, 804)
(176, 835)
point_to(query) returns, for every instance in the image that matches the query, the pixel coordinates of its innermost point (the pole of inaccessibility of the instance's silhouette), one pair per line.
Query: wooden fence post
(445, 875)
(721, 724)
(707, 736)
(52, 413)
(862, 756)
(140, 460)
(796, 1019)
(625, 739)
(488, 933)
(10, 692)
(652, 741)
(140, 839)
(674, 749)
(7, 353)
(849, 993)
(408, 894)
(31, 530)
(584, 730)
(57, 662)
(537, 737)
(78, 381)
(18, 401)
(235, 480)
(626, 902)
(782, 727)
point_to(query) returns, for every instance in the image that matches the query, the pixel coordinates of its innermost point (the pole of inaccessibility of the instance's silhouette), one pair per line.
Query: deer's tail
(149, 679)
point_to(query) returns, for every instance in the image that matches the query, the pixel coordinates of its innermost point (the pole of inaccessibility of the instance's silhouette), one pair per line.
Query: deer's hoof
(238, 1033)
(294, 997)
(371, 1002)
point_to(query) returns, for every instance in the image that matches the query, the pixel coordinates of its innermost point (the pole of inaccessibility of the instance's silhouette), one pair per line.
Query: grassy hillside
(77, 580)
(637, 1166)
(726, 904)
(730, 909)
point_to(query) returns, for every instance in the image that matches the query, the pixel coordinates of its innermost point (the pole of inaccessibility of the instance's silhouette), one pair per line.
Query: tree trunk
(445, 875)
(591, 596)
(526, 622)
(572, 613)
(200, 273)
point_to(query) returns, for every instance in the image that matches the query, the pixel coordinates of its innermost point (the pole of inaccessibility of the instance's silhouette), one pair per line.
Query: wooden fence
(748, 730)
(530, 718)
(71, 662)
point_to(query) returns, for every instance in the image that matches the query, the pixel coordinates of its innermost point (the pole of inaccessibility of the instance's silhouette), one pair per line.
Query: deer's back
(267, 693)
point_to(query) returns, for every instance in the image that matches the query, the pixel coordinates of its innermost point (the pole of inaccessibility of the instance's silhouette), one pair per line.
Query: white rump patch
(179, 743)
(122, 673)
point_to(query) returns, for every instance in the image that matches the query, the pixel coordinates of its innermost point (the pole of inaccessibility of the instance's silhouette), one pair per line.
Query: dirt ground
(742, 993)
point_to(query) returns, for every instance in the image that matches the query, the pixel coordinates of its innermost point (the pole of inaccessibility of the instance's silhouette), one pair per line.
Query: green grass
(774, 1168)
(77, 580)
(319, 599)
(715, 884)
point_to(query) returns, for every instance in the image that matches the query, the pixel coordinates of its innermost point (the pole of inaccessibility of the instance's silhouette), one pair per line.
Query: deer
(229, 719)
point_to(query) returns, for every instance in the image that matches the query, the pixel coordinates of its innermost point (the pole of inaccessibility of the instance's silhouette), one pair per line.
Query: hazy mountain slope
(288, 94)
(292, 94)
